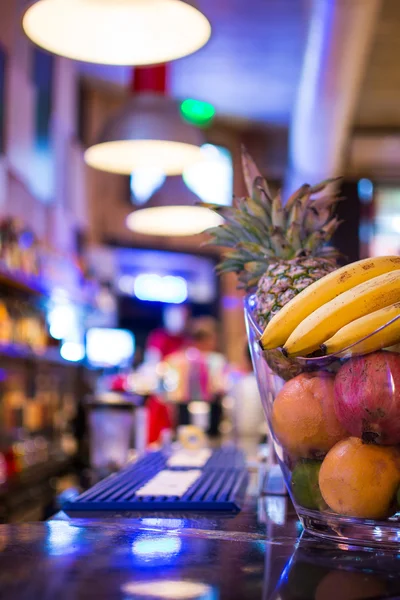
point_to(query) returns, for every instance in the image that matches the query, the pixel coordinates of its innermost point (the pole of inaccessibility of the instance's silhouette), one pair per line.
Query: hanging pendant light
(148, 133)
(172, 211)
(117, 32)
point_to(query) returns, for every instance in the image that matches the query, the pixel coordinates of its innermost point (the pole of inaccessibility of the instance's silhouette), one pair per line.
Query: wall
(55, 193)
(44, 188)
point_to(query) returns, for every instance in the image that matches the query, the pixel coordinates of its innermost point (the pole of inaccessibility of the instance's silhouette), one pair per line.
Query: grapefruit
(303, 416)
(360, 480)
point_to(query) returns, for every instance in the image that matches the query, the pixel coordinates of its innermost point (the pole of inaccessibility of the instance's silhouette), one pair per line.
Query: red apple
(367, 397)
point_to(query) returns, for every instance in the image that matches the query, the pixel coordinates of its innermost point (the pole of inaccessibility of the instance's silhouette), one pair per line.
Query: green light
(196, 112)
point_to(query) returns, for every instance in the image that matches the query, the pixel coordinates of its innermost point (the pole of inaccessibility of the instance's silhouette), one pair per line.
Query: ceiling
(379, 99)
(250, 68)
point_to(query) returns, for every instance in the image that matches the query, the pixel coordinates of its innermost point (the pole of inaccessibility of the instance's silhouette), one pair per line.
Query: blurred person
(201, 371)
(170, 338)
(161, 343)
(138, 357)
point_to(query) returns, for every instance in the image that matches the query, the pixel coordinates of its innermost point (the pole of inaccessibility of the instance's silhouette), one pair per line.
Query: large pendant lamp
(148, 132)
(172, 211)
(117, 32)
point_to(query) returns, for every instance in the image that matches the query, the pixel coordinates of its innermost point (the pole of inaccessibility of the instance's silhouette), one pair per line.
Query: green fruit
(305, 486)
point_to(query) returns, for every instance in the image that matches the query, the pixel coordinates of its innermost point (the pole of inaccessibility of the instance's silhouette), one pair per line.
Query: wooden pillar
(232, 316)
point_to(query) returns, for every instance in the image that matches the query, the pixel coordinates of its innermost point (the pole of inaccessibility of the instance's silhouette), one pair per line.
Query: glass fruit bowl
(335, 424)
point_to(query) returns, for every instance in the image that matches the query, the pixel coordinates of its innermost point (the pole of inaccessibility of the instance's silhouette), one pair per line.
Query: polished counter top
(256, 554)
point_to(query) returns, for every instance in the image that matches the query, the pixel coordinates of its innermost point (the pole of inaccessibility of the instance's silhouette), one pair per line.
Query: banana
(363, 327)
(361, 300)
(319, 293)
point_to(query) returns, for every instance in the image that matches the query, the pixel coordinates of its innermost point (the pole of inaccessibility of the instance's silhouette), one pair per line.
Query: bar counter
(256, 554)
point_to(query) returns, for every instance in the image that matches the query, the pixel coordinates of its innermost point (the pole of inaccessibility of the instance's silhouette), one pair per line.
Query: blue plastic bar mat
(221, 487)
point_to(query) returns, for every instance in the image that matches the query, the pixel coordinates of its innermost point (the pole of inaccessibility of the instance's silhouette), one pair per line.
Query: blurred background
(94, 299)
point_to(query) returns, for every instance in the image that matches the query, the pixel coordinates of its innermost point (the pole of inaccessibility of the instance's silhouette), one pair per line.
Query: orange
(360, 480)
(303, 416)
(352, 586)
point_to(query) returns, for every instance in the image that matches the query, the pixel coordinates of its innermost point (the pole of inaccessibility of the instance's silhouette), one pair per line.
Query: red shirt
(165, 342)
(159, 417)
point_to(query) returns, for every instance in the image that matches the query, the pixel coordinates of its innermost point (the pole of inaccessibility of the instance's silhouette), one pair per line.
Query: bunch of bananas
(339, 311)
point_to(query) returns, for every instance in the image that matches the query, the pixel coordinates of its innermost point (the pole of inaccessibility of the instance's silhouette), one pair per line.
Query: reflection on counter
(169, 589)
(62, 539)
(159, 548)
(320, 571)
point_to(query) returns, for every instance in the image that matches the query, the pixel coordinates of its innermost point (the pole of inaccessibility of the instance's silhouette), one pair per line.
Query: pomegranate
(367, 397)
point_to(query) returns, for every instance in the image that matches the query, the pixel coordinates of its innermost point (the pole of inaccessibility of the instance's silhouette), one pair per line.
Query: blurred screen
(109, 347)
(211, 178)
(386, 231)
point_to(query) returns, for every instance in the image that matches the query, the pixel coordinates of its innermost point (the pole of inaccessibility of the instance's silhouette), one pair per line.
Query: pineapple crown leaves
(260, 229)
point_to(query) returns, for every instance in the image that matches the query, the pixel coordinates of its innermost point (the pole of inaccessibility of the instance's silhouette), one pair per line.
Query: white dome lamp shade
(117, 32)
(184, 217)
(148, 132)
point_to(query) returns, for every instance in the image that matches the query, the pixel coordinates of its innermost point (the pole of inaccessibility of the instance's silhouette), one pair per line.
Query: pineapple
(276, 250)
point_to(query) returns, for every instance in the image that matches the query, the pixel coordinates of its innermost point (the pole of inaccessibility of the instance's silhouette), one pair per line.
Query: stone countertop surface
(259, 553)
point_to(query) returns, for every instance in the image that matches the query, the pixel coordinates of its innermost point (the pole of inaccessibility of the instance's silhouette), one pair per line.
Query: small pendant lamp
(117, 32)
(148, 132)
(172, 211)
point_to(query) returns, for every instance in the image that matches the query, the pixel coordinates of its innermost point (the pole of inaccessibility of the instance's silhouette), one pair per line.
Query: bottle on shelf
(6, 324)
(19, 247)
